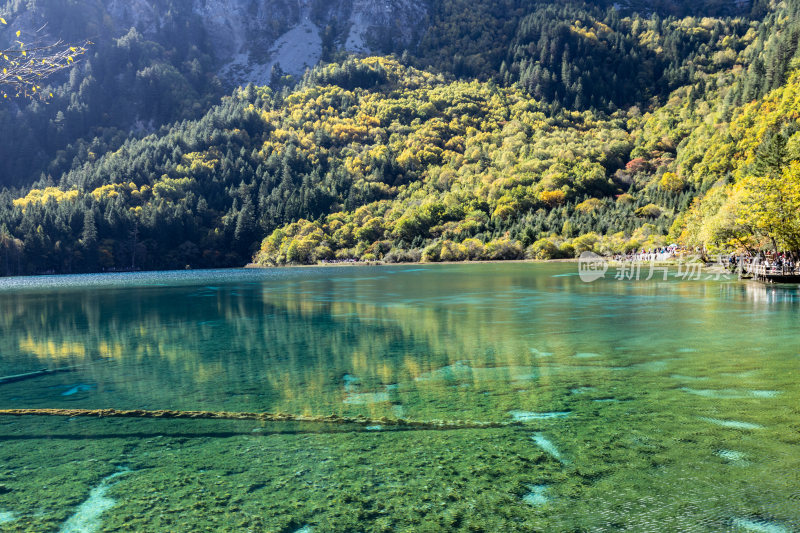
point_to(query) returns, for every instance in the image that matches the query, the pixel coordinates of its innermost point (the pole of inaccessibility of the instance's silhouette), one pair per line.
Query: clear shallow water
(645, 406)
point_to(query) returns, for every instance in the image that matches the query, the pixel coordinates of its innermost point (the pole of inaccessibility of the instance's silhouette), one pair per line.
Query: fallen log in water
(26, 375)
(45, 372)
(35, 374)
(261, 417)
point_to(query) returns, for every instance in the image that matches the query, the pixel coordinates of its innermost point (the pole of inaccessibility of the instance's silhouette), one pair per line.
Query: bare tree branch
(24, 68)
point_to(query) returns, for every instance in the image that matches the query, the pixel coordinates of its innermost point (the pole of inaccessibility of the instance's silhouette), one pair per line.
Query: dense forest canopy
(510, 129)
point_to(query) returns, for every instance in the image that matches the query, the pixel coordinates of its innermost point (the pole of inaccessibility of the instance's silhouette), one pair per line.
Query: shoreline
(414, 263)
(611, 262)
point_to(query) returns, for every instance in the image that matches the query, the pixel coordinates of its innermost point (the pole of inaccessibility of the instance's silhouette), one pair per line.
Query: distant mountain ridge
(155, 62)
(483, 130)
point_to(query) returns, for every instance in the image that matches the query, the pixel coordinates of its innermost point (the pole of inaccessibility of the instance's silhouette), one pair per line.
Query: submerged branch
(35, 374)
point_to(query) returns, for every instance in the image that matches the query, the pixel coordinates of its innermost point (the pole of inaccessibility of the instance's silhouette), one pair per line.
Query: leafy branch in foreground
(25, 67)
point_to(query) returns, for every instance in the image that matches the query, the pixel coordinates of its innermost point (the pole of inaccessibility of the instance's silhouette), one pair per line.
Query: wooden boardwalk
(772, 274)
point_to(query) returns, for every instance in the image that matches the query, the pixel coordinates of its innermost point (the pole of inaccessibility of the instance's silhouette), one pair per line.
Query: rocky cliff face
(250, 37)
(254, 36)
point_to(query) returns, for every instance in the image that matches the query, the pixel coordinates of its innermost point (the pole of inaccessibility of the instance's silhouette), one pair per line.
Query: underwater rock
(305, 529)
(525, 416)
(87, 516)
(457, 370)
(539, 353)
(650, 366)
(689, 378)
(461, 371)
(373, 428)
(735, 424)
(365, 398)
(581, 390)
(350, 383)
(732, 394)
(730, 455)
(764, 393)
(353, 397)
(545, 444)
(741, 375)
(733, 457)
(81, 387)
(586, 355)
(6, 517)
(759, 526)
(537, 495)
(725, 394)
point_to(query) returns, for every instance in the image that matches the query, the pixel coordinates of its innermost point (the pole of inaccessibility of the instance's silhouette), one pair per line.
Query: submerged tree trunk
(398, 423)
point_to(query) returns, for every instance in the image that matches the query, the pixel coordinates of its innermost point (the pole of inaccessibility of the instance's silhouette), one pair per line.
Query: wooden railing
(764, 271)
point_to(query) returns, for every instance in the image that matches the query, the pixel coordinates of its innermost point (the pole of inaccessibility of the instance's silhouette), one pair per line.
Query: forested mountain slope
(532, 130)
(154, 62)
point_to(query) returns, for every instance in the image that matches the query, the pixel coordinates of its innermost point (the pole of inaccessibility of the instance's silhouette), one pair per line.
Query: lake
(639, 405)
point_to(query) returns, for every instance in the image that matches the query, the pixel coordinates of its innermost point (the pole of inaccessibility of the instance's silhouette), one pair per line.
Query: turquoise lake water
(641, 405)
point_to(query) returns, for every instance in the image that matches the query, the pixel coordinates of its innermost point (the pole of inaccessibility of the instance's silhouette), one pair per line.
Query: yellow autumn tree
(771, 206)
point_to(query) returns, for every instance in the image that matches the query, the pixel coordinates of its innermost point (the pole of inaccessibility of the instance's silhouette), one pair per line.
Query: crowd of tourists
(664, 253)
(765, 263)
